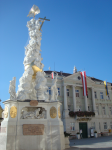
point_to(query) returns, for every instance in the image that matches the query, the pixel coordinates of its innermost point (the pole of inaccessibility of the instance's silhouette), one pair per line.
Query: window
(108, 96)
(101, 95)
(69, 107)
(95, 95)
(67, 92)
(72, 126)
(49, 90)
(97, 110)
(103, 109)
(105, 125)
(93, 125)
(88, 108)
(110, 125)
(79, 109)
(58, 91)
(87, 94)
(110, 110)
(77, 93)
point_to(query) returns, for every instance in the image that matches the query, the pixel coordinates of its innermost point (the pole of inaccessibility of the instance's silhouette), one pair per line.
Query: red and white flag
(84, 83)
(52, 75)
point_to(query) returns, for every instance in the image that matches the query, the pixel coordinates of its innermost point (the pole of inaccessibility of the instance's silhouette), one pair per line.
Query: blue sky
(79, 33)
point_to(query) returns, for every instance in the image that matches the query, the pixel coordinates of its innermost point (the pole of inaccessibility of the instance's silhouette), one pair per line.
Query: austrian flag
(84, 83)
(52, 75)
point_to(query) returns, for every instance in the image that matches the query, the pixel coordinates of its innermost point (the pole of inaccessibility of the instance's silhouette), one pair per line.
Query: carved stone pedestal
(32, 126)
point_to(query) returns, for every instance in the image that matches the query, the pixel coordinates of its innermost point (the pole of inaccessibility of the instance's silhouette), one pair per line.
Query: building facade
(70, 93)
(1, 110)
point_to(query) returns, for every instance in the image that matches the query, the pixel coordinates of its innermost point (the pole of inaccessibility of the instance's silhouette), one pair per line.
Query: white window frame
(101, 95)
(79, 109)
(77, 93)
(110, 110)
(72, 126)
(93, 125)
(97, 109)
(105, 125)
(95, 94)
(69, 107)
(49, 90)
(110, 125)
(58, 88)
(104, 111)
(68, 92)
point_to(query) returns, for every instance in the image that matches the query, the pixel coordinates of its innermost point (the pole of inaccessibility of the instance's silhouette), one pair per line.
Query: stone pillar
(93, 100)
(86, 105)
(65, 99)
(65, 110)
(74, 98)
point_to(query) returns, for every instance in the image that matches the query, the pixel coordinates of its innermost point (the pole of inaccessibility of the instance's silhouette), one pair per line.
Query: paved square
(100, 143)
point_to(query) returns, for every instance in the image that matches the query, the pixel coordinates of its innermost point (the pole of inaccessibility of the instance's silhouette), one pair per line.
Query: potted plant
(95, 134)
(78, 135)
(67, 139)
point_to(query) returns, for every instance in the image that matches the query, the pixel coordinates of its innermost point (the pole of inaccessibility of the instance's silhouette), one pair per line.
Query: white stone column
(65, 110)
(65, 99)
(93, 100)
(86, 104)
(74, 98)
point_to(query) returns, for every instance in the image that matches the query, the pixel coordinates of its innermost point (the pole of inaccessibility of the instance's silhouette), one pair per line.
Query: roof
(59, 73)
(68, 74)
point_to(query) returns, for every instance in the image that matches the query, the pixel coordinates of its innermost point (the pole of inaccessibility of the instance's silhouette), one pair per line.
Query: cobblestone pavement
(100, 143)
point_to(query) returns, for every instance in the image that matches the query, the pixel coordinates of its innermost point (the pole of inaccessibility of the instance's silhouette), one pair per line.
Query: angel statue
(12, 90)
(54, 90)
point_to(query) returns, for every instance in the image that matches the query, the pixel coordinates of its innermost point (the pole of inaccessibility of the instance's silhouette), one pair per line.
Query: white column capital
(74, 85)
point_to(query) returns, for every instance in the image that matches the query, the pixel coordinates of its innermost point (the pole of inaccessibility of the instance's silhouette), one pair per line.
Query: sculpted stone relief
(54, 91)
(5, 112)
(33, 82)
(33, 113)
(12, 90)
(13, 111)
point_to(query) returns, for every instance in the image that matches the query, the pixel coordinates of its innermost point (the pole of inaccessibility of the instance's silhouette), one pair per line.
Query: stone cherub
(12, 90)
(54, 90)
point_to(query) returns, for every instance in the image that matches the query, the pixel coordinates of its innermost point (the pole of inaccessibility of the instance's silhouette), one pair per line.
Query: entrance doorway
(83, 127)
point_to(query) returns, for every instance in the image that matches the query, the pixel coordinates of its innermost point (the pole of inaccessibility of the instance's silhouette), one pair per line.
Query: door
(83, 127)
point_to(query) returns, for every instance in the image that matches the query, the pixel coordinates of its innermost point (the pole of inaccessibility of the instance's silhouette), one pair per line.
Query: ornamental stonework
(53, 112)
(13, 111)
(33, 103)
(59, 113)
(33, 129)
(5, 112)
